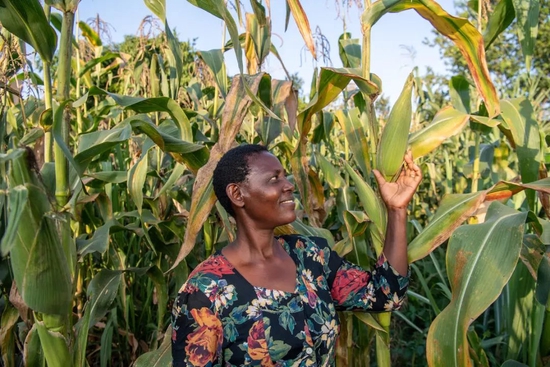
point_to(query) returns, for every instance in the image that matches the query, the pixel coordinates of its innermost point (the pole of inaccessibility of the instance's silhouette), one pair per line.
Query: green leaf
(90, 34)
(520, 119)
(330, 84)
(459, 90)
(102, 291)
(158, 7)
(446, 123)
(511, 363)
(98, 60)
(92, 144)
(393, 142)
(161, 357)
(110, 176)
(214, 60)
(175, 58)
(26, 20)
(17, 201)
(499, 19)
(369, 320)
(53, 343)
(356, 137)
(146, 105)
(99, 241)
(330, 173)
(478, 270)
(373, 206)
(350, 51)
(459, 30)
(527, 15)
(453, 210)
(136, 180)
(156, 275)
(543, 280)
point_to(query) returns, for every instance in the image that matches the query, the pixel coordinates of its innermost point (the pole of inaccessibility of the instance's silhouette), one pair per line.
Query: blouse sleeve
(197, 335)
(353, 288)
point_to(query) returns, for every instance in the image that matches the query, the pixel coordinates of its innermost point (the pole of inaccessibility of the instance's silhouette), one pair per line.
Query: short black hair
(233, 168)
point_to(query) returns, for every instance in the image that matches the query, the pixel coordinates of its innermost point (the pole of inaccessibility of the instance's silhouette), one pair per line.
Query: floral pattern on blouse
(220, 319)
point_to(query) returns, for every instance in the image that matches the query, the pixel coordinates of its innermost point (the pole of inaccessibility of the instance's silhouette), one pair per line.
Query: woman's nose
(289, 186)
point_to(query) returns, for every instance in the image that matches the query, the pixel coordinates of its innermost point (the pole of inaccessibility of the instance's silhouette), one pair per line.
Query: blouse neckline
(286, 247)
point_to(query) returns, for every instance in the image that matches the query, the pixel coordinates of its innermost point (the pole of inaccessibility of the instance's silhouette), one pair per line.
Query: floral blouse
(220, 319)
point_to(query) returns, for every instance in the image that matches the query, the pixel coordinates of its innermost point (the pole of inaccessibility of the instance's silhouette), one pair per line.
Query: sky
(397, 39)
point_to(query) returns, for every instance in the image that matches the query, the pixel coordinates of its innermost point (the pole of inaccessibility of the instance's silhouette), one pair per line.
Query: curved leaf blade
(446, 123)
(26, 20)
(302, 22)
(452, 212)
(478, 270)
(459, 30)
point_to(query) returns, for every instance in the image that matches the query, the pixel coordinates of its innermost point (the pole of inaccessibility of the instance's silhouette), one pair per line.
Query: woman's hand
(398, 194)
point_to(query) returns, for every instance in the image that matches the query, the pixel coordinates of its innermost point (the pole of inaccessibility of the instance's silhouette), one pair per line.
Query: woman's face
(267, 194)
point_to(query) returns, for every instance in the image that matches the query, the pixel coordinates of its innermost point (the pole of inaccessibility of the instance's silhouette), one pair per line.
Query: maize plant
(107, 200)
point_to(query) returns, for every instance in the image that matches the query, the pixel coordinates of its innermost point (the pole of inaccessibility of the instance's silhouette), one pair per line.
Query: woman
(271, 301)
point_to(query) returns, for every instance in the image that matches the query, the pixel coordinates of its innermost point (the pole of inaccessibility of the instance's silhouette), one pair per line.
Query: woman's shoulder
(215, 265)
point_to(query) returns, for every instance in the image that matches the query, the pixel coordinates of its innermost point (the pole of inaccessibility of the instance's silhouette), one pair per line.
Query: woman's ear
(234, 193)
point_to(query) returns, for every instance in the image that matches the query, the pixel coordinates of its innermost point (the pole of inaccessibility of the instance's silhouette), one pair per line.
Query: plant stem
(63, 94)
(475, 169)
(48, 139)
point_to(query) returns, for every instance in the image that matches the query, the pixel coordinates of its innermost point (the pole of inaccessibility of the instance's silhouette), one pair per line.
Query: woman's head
(233, 168)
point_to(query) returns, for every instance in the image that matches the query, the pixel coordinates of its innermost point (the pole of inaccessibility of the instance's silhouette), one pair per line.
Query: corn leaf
(459, 30)
(459, 91)
(453, 211)
(26, 20)
(543, 280)
(175, 59)
(91, 35)
(158, 7)
(504, 189)
(161, 357)
(99, 242)
(214, 60)
(373, 206)
(17, 201)
(446, 123)
(136, 180)
(161, 288)
(519, 117)
(53, 343)
(330, 173)
(33, 355)
(527, 15)
(499, 19)
(350, 51)
(478, 269)
(356, 138)
(302, 22)
(147, 105)
(9, 319)
(393, 142)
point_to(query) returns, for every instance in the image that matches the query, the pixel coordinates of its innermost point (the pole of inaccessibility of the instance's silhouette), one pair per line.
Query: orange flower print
(203, 343)
(257, 345)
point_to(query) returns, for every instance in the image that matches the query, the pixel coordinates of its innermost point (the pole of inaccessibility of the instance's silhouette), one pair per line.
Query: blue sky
(391, 36)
